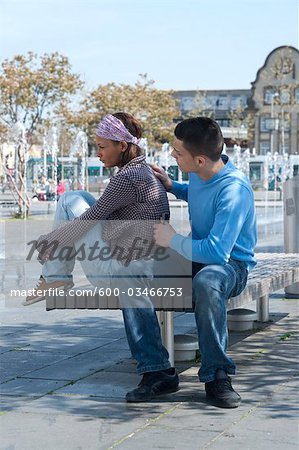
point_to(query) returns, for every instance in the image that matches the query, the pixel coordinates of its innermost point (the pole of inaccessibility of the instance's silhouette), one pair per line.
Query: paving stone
(46, 342)
(272, 425)
(94, 425)
(10, 403)
(48, 431)
(104, 384)
(16, 363)
(92, 406)
(80, 366)
(29, 387)
(101, 331)
(12, 330)
(266, 366)
(126, 366)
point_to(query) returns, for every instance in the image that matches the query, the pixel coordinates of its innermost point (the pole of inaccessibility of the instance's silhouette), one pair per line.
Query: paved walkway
(64, 375)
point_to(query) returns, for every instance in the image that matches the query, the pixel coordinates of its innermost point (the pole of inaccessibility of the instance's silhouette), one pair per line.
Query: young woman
(121, 221)
(109, 233)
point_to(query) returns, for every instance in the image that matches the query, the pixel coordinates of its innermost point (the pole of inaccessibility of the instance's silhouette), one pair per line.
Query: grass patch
(285, 336)
(260, 353)
(198, 356)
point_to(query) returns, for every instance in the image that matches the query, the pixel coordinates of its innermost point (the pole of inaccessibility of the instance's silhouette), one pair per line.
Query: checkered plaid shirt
(133, 200)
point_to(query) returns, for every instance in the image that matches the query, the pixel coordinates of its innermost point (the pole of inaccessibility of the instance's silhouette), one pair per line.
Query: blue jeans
(212, 286)
(141, 324)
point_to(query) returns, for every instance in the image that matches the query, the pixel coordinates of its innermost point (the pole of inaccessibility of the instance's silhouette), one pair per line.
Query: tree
(32, 87)
(31, 90)
(155, 108)
(240, 119)
(201, 106)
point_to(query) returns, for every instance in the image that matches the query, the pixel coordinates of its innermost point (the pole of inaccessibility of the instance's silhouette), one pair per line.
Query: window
(271, 94)
(221, 102)
(297, 95)
(224, 122)
(284, 148)
(265, 124)
(268, 95)
(285, 96)
(187, 103)
(264, 147)
(285, 121)
(255, 172)
(268, 124)
(236, 101)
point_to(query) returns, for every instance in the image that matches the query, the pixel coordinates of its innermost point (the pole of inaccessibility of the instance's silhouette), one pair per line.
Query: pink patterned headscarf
(112, 128)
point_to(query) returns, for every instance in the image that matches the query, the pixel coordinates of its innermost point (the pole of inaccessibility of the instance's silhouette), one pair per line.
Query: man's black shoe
(154, 384)
(221, 393)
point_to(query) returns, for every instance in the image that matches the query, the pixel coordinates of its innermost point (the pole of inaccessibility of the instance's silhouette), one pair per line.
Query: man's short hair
(201, 136)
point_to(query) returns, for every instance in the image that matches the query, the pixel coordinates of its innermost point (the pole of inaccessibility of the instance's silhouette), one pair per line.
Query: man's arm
(180, 190)
(232, 210)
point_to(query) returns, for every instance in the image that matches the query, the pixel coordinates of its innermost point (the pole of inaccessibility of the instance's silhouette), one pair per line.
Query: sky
(184, 45)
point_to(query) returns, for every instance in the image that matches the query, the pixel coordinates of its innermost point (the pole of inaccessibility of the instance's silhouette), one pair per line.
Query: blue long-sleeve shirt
(222, 215)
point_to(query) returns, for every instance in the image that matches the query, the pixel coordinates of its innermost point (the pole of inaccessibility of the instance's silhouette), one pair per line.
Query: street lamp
(275, 95)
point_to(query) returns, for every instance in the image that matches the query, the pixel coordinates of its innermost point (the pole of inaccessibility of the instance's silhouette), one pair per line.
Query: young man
(221, 248)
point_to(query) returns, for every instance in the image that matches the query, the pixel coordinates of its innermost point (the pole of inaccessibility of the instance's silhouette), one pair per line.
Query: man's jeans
(212, 286)
(141, 324)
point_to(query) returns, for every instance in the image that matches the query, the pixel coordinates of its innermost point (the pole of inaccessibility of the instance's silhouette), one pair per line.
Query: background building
(274, 103)
(226, 106)
(266, 116)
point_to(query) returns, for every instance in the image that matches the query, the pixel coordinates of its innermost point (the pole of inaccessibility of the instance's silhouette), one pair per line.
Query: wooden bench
(274, 271)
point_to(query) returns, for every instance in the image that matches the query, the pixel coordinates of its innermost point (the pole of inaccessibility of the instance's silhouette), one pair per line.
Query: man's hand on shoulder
(162, 176)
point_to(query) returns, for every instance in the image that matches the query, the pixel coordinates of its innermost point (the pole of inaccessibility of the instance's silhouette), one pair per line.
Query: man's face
(186, 162)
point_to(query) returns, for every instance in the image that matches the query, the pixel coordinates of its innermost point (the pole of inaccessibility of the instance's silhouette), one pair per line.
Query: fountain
(165, 151)
(52, 140)
(80, 148)
(45, 153)
(277, 169)
(241, 159)
(18, 138)
(144, 145)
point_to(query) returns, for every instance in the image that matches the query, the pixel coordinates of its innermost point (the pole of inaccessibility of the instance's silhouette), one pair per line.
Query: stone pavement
(64, 375)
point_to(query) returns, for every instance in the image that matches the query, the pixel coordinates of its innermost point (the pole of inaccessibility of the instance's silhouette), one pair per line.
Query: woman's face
(109, 152)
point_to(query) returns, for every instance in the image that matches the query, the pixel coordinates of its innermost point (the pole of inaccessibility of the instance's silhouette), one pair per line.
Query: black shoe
(154, 384)
(221, 393)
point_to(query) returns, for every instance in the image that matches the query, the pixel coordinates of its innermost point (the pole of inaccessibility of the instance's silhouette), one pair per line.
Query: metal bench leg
(165, 319)
(262, 307)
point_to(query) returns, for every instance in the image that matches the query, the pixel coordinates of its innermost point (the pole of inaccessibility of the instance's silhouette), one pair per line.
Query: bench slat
(274, 271)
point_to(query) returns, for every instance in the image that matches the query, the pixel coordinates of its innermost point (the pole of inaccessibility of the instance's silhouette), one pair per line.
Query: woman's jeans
(212, 286)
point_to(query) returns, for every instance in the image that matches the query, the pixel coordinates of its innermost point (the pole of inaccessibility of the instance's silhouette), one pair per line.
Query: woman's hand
(163, 233)
(43, 249)
(162, 176)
